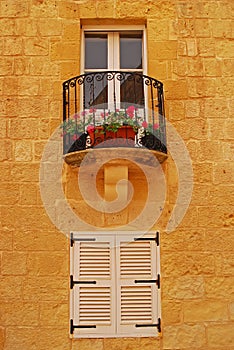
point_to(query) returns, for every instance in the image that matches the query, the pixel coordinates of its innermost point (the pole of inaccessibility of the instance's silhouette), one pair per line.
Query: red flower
(155, 126)
(92, 110)
(144, 124)
(90, 128)
(74, 137)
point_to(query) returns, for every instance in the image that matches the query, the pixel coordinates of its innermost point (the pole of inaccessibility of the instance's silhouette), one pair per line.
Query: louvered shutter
(137, 288)
(93, 292)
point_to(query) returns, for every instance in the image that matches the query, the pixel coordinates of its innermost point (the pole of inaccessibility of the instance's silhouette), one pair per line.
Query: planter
(123, 137)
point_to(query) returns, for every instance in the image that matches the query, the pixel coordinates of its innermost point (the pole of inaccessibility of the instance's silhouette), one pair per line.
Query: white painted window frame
(113, 46)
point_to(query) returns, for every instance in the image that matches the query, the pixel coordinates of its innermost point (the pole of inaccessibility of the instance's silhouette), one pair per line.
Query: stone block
(13, 46)
(207, 47)
(192, 108)
(5, 239)
(52, 314)
(5, 150)
(2, 338)
(43, 67)
(176, 110)
(23, 151)
(51, 27)
(176, 89)
(205, 310)
(224, 49)
(37, 240)
(44, 288)
(14, 8)
(183, 287)
(29, 194)
(19, 314)
(87, 344)
(64, 51)
(26, 27)
(182, 264)
(21, 65)
(184, 337)
(29, 86)
(220, 335)
(44, 9)
(163, 50)
(157, 68)
(221, 29)
(6, 66)
(23, 128)
(227, 66)
(191, 46)
(34, 338)
(158, 30)
(185, 9)
(212, 67)
(223, 236)
(10, 288)
(14, 263)
(223, 173)
(195, 67)
(219, 287)
(180, 68)
(214, 107)
(47, 264)
(36, 46)
(202, 28)
(25, 172)
(7, 27)
(207, 10)
(171, 312)
(3, 128)
(201, 87)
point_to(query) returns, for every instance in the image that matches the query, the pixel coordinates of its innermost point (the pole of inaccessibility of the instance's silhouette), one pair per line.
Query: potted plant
(118, 127)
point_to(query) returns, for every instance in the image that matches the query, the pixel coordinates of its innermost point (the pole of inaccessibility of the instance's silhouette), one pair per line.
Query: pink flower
(117, 110)
(102, 114)
(90, 128)
(92, 110)
(144, 124)
(74, 137)
(130, 111)
(83, 113)
(76, 116)
(155, 126)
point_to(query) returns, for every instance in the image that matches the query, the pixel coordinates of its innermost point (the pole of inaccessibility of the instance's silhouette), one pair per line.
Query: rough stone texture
(190, 49)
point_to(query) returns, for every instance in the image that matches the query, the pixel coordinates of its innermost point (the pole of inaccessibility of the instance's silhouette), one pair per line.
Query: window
(120, 50)
(115, 285)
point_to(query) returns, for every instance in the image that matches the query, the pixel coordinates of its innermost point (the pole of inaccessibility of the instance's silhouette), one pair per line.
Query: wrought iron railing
(124, 109)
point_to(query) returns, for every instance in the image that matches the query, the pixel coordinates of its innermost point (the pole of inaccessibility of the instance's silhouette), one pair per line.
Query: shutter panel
(137, 290)
(93, 289)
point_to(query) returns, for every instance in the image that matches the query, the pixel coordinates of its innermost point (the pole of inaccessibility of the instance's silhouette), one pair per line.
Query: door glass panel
(96, 94)
(95, 51)
(132, 91)
(131, 51)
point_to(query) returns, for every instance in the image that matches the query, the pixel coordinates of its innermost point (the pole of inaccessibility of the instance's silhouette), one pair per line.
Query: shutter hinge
(157, 281)
(72, 326)
(72, 282)
(156, 238)
(80, 239)
(158, 325)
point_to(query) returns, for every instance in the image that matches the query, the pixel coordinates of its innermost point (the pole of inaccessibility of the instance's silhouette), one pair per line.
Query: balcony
(113, 110)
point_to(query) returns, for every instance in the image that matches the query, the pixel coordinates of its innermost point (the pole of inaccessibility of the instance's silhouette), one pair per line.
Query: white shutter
(137, 289)
(93, 298)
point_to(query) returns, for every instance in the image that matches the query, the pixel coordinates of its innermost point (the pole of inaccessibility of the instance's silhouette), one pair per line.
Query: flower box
(102, 137)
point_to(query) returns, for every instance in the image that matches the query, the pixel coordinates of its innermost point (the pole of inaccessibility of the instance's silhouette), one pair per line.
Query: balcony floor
(118, 155)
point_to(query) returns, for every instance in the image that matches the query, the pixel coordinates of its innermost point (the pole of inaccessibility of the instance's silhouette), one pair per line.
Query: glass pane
(95, 51)
(96, 94)
(132, 91)
(131, 51)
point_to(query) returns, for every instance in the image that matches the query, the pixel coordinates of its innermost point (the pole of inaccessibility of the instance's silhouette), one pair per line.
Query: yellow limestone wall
(190, 50)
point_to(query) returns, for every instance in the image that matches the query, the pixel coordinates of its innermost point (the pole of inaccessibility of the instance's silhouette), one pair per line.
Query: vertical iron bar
(152, 99)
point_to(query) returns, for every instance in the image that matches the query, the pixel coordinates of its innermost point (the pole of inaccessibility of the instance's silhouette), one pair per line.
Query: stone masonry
(190, 49)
